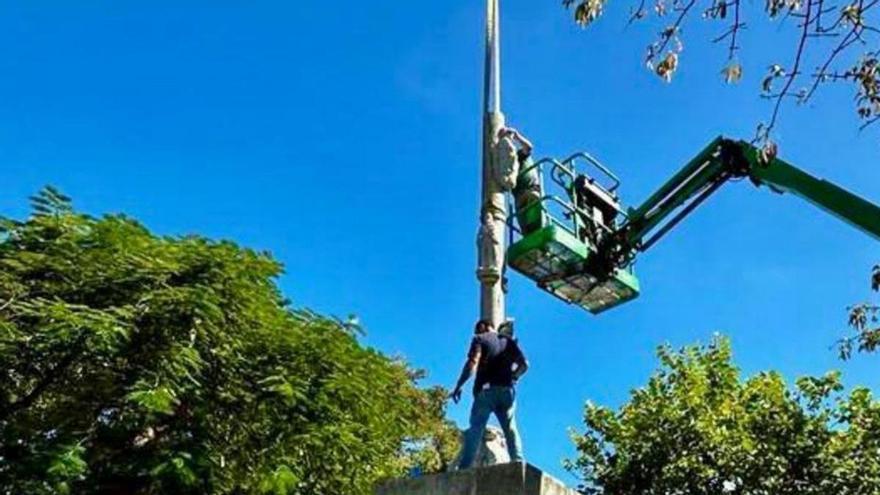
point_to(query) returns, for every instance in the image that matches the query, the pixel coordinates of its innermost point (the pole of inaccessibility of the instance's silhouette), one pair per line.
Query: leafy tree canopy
(133, 363)
(864, 321)
(698, 428)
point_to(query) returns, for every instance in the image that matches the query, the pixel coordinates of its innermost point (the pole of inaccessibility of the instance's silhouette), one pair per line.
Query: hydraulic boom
(723, 160)
(589, 263)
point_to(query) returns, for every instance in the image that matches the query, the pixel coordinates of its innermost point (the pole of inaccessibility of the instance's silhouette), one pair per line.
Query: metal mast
(493, 209)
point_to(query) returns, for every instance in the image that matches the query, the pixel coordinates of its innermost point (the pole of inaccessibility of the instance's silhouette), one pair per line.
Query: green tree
(133, 363)
(864, 321)
(697, 428)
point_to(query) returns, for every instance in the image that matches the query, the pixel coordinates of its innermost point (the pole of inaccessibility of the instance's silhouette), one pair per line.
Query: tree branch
(869, 122)
(48, 380)
(637, 14)
(7, 304)
(805, 30)
(734, 30)
(677, 26)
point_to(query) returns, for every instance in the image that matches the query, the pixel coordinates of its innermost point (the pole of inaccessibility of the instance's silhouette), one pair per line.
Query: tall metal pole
(493, 210)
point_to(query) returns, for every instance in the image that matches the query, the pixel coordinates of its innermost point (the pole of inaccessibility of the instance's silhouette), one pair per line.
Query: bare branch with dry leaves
(848, 25)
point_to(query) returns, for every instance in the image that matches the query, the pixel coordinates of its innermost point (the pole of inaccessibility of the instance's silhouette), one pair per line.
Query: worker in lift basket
(528, 190)
(498, 363)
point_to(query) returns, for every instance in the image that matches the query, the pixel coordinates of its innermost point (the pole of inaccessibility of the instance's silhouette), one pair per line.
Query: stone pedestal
(503, 479)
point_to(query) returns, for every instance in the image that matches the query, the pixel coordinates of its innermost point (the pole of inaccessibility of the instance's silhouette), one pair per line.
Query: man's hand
(522, 366)
(456, 395)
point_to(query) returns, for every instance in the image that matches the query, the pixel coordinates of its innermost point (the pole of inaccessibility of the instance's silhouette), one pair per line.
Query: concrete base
(502, 479)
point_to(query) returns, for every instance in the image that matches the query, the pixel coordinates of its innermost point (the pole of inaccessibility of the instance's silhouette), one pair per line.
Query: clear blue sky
(342, 137)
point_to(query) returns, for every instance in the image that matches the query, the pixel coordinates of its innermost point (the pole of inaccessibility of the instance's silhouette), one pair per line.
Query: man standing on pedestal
(498, 363)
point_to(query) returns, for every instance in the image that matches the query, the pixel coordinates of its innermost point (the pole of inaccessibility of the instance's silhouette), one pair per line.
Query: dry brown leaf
(732, 73)
(667, 67)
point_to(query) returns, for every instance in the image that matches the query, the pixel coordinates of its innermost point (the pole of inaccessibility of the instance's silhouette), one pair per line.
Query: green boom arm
(783, 177)
(723, 160)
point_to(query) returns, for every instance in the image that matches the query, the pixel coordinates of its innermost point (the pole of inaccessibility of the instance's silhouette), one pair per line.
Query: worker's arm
(469, 369)
(525, 143)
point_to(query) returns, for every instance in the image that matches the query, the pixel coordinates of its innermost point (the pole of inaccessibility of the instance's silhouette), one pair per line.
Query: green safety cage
(558, 255)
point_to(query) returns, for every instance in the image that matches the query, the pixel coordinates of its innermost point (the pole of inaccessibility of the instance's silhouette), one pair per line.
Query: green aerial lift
(585, 249)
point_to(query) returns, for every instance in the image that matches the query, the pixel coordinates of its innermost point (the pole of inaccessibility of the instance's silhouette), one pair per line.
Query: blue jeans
(502, 402)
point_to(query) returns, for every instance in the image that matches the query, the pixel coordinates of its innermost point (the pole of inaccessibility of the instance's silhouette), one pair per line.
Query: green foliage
(697, 428)
(133, 363)
(864, 321)
(441, 441)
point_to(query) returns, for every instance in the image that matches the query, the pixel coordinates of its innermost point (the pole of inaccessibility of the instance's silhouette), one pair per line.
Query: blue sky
(343, 138)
